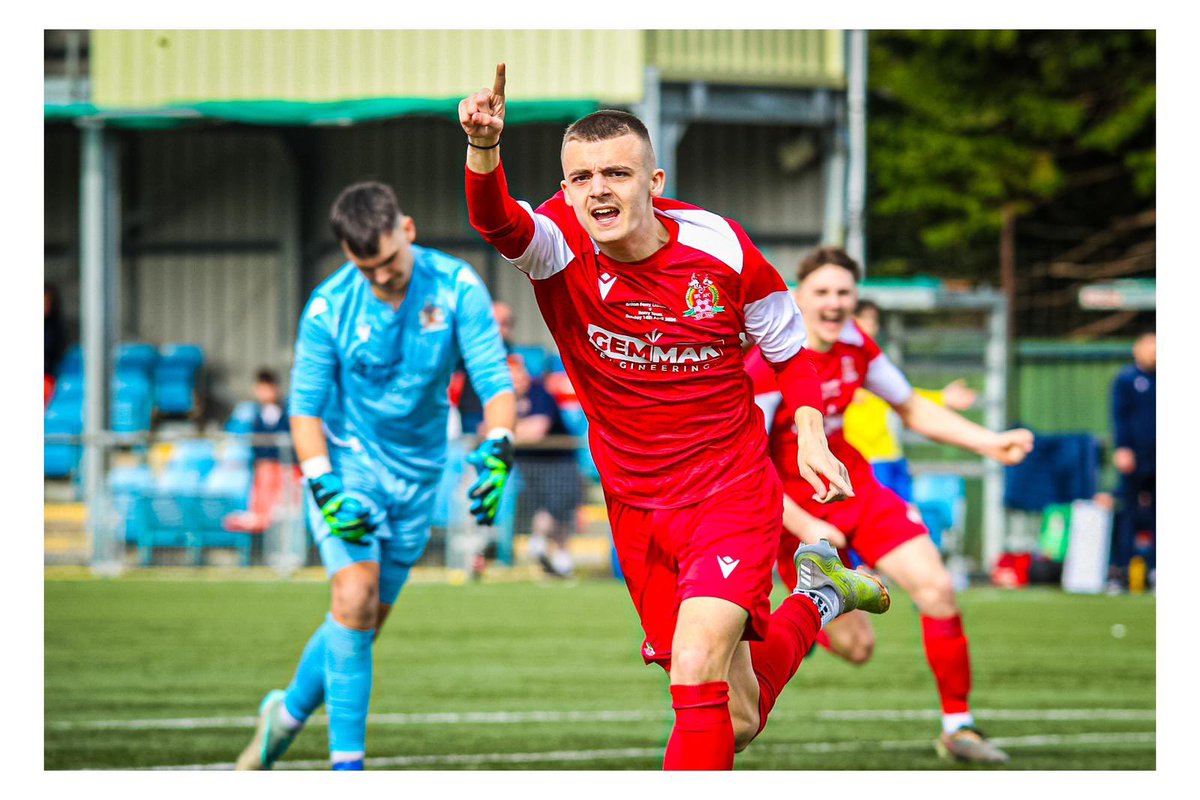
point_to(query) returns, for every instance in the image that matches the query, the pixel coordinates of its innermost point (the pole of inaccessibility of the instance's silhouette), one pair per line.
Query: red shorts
(875, 521)
(721, 547)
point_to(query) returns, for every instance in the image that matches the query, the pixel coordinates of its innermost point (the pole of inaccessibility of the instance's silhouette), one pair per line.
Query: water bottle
(1137, 575)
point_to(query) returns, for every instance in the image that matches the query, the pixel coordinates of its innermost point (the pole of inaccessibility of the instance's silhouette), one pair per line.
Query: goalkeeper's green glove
(493, 459)
(347, 517)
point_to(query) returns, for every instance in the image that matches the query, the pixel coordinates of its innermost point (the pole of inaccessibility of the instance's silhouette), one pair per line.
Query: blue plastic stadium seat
(64, 416)
(130, 488)
(172, 513)
(175, 378)
(69, 389)
(226, 490)
(193, 455)
(131, 408)
(138, 357)
(554, 363)
(534, 356)
(72, 363)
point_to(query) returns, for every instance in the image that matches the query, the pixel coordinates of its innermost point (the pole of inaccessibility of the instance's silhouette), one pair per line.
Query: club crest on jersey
(702, 298)
(432, 317)
(849, 373)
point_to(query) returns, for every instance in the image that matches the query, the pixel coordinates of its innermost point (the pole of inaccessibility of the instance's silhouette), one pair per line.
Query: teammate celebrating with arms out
(647, 300)
(379, 340)
(880, 527)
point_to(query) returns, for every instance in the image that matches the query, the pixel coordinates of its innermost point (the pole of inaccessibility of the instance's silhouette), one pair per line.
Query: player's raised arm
(482, 118)
(947, 427)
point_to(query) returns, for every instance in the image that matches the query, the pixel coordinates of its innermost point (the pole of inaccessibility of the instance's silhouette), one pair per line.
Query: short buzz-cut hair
(608, 123)
(828, 255)
(361, 214)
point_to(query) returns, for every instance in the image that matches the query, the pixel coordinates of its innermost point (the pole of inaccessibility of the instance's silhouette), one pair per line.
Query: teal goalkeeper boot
(818, 565)
(272, 737)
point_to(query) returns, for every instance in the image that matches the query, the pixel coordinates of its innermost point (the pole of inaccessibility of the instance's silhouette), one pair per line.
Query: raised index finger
(498, 86)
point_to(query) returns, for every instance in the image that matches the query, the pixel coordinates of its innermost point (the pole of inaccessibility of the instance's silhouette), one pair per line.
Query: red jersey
(853, 361)
(653, 347)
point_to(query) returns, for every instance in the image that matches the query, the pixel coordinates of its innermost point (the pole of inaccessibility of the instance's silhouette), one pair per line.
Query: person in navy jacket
(1133, 455)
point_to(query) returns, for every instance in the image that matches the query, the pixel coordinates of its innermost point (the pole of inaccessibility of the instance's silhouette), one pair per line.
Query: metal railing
(186, 499)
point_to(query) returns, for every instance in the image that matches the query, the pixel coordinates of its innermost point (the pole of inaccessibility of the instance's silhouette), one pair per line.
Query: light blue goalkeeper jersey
(378, 377)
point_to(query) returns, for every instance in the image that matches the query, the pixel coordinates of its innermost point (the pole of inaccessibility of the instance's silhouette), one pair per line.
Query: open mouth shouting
(831, 323)
(605, 216)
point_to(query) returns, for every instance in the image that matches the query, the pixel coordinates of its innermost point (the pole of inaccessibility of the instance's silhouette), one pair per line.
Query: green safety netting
(296, 113)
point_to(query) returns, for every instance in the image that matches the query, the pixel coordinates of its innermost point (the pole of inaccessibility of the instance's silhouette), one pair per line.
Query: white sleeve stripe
(709, 233)
(884, 379)
(548, 252)
(775, 324)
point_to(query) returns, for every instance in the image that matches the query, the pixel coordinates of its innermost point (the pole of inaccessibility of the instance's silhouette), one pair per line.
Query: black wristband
(489, 147)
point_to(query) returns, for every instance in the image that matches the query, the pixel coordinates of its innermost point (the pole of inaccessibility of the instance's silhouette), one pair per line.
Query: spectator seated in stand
(265, 416)
(552, 488)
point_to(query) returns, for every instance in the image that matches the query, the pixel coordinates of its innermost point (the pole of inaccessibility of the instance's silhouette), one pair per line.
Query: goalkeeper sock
(306, 692)
(793, 628)
(946, 651)
(347, 688)
(703, 734)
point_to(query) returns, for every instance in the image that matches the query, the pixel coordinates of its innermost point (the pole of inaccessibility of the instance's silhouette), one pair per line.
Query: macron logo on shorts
(727, 564)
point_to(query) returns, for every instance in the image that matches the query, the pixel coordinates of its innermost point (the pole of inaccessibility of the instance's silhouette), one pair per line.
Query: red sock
(946, 650)
(703, 734)
(794, 627)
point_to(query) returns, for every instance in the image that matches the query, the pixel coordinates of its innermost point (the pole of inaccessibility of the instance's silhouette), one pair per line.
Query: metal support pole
(995, 415)
(833, 230)
(856, 179)
(95, 253)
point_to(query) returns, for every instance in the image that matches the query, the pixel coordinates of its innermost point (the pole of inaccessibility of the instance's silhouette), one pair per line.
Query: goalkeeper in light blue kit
(378, 342)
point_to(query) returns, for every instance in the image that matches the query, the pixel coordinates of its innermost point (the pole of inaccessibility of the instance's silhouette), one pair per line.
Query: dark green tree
(1056, 128)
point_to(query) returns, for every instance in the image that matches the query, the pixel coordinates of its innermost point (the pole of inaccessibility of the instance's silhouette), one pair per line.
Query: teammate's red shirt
(653, 347)
(876, 520)
(854, 361)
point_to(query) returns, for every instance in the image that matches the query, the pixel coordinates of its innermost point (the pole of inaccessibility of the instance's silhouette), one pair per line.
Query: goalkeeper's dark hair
(361, 214)
(828, 255)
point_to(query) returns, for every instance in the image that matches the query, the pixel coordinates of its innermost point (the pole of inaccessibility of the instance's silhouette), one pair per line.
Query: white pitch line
(814, 748)
(1026, 715)
(525, 717)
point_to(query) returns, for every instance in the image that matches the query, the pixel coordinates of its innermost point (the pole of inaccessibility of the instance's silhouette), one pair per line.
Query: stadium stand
(131, 409)
(129, 488)
(175, 379)
(225, 492)
(535, 358)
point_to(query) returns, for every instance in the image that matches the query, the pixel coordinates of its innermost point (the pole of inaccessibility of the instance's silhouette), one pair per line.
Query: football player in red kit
(881, 528)
(648, 300)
